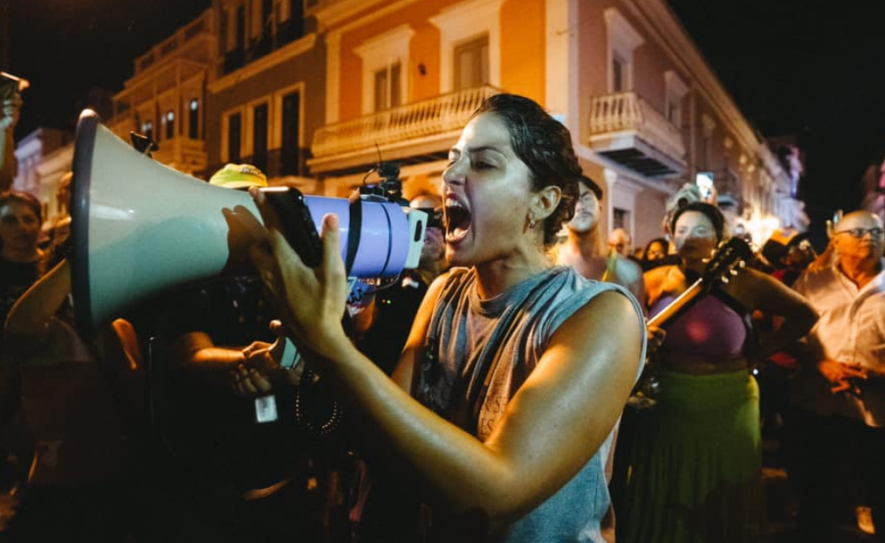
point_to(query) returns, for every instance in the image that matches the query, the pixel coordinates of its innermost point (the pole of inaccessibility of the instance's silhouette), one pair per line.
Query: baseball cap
(238, 176)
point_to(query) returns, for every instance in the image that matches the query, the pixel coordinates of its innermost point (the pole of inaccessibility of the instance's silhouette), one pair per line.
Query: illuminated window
(147, 128)
(460, 26)
(193, 121)
(387, 87)
(383, 56)
(472, 64)
(170, 125)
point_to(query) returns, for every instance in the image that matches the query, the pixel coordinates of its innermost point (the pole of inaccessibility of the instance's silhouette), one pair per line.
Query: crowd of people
(479, 397)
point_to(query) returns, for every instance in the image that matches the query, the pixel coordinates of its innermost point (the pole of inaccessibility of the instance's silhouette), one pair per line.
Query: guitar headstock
(730, 256)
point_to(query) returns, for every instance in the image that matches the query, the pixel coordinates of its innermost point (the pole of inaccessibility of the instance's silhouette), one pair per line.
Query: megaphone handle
(291, 357)
(297, 224)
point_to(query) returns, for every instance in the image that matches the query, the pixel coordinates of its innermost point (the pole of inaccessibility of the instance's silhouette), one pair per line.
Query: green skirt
(696, 468)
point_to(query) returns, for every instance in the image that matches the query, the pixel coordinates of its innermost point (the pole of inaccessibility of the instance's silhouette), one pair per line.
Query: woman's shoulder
(571, 292)
(658, 281)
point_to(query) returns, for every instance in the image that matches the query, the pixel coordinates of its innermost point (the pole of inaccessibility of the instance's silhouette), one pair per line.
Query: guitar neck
(676, 305)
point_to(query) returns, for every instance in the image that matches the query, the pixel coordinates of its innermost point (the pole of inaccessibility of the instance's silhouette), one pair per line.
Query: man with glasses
(839, 424)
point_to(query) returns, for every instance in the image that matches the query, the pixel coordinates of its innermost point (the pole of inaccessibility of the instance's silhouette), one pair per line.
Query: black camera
(434, 216)
(10, 85)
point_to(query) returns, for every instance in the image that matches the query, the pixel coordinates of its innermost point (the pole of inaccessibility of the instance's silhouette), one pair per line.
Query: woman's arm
(757, 291)
(549, 430)
(27, 326)
(413, 351)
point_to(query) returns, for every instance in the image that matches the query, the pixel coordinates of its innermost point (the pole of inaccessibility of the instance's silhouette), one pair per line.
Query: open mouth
(457, 221)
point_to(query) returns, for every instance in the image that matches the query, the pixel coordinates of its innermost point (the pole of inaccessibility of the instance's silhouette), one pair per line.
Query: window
(170, 125)
(290, 24)
(384, 83)
(618, 83)
(148, 129)
(259, 137)
(233, 137)
(225, 31)
(620, 218)
(709, 125)
(241, 28)
(472, 64)
(622, 41)
(459, 27)
(290, 138)
(266, 13)
(674, 111)
(676, 90)
(193, 121)
(387, 88)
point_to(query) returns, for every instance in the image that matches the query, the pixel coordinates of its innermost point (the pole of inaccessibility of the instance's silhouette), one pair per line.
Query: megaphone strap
(355, 226)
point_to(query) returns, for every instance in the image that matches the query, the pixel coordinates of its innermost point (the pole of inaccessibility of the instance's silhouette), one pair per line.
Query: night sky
(810, 68)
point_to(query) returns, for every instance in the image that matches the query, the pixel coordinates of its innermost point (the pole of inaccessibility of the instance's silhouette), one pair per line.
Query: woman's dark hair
(545, 146)
(592, 185)
(665, 245)
(59, 249)
(24, 198)
(710, 211)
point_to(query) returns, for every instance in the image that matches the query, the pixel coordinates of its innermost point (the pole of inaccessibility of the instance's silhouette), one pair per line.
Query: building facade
(646, 112)
(317, 92)
(166, 97)
(43, 157)
(268, 96)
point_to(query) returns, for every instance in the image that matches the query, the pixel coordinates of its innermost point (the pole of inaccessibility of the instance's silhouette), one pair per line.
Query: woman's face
(655, 252)
(487, 195)
(695, 236)
(19, 227)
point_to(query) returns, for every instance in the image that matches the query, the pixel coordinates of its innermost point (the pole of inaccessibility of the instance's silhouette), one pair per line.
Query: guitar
(724, 264)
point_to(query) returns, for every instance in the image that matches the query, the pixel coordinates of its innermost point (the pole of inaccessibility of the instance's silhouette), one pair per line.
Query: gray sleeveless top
(480, 352)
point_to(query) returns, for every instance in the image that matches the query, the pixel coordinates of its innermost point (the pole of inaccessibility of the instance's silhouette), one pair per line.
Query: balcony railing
(616, 118)
(446, 113)
(200, 28)
(185, 154)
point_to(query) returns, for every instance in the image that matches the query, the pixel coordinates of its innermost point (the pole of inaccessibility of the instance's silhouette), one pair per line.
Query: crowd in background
(147, 431)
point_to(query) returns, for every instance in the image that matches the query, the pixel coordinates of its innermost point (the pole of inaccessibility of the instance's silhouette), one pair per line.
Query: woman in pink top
(697, 454)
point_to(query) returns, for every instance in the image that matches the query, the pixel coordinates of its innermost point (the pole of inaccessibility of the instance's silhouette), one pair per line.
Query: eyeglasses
(861, 232)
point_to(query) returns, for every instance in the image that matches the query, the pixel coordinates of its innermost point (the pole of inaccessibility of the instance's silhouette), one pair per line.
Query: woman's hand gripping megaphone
(309, 301)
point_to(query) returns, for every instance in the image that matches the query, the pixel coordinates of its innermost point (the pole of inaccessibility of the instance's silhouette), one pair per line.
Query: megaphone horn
(140, 228)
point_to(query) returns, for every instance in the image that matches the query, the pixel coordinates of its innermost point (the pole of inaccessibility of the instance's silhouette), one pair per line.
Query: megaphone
(139, 228)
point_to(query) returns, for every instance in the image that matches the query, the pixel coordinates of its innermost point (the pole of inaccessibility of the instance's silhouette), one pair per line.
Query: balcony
(627, 130)
(182, 153)
(194, 41)
(428, 127)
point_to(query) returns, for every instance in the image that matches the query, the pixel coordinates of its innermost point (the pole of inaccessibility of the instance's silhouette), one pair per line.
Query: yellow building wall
(523, 27)
(424, 49)
(425, 52)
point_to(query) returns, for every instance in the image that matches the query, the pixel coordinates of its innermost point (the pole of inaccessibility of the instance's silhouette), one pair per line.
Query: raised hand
(310, 301)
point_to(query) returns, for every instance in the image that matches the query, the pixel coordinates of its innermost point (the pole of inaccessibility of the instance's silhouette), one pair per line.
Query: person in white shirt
(838, 426)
